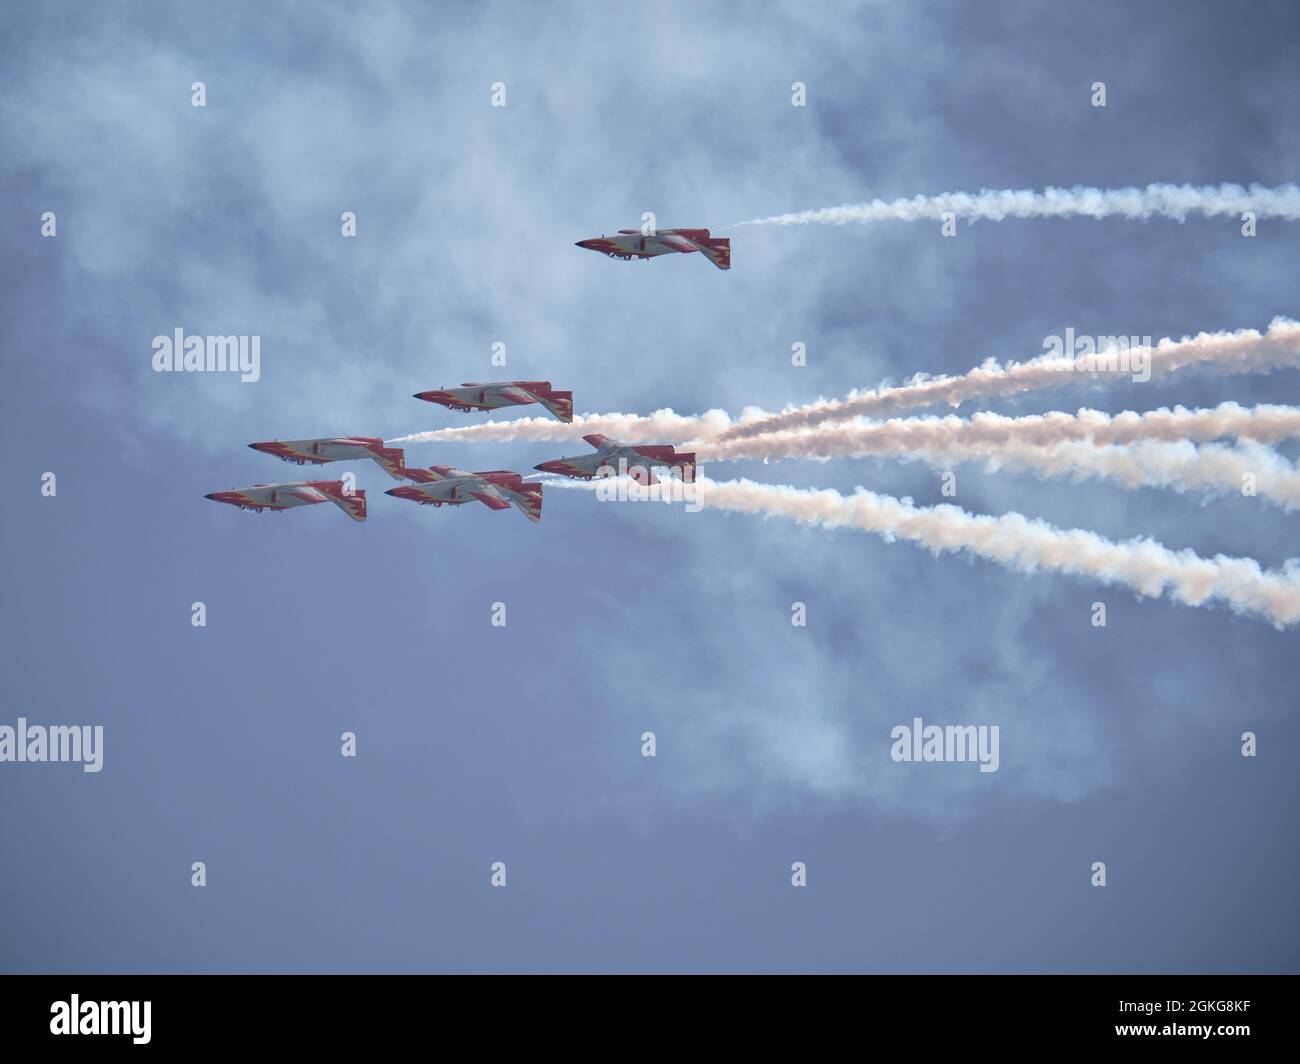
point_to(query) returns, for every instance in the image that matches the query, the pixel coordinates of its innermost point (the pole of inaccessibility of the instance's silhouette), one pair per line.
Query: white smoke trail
(1048, 446)
(1181, 466)
(662, 425)
(1026, 545)
(1154, 201)
(1266, 423)
(1242, 351)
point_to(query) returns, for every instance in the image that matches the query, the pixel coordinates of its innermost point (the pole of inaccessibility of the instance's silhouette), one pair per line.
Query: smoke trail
(1265, 423)
(1055, 445)
(1026, 545)
(1181, 466)
(660, 426)
(1242, 351)
(1154, 201)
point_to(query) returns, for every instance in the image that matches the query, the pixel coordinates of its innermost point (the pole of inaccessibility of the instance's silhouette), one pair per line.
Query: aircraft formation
(444, 485)
(498, 489)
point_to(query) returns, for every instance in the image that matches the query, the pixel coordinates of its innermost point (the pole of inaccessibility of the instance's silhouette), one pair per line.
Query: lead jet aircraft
(613, 458)
(498, 489)
(299, 493)
(633, 244)
(502, 393)
(392, 460)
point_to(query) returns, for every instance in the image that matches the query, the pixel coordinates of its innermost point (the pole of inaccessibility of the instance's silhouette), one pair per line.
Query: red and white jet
(613, 458)
(299, 493)
(502, 393)
(391, 460)
(633, 244)
(498, 489)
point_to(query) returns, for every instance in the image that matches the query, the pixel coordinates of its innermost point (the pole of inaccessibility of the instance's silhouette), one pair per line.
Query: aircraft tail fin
(392, 460)
(353, 504)
(558, 403)
(718, 251)
(528, 498)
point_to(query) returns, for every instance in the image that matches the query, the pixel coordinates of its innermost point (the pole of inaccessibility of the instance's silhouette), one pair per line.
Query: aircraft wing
(641, 462)
(676, 242)
(603, 444)
(433, 474)
(514, 393)
(668, 456)
(559, 404)
(636, 466)
(489, 496)
(477, 486)
(454, 487)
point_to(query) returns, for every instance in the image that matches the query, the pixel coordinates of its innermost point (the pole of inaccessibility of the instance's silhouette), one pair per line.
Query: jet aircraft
(498, 489)
(299, 493)
(613, 458)
(391, 460)
(502, 393)
(634, 244)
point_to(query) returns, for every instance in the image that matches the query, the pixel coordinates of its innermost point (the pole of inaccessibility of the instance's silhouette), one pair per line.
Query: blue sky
(522, 744)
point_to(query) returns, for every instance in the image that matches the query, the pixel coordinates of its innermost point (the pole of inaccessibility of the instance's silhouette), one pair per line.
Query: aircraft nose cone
(210, 495)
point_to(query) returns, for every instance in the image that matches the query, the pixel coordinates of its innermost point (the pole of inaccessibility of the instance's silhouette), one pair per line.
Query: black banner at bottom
(1225, 1013)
